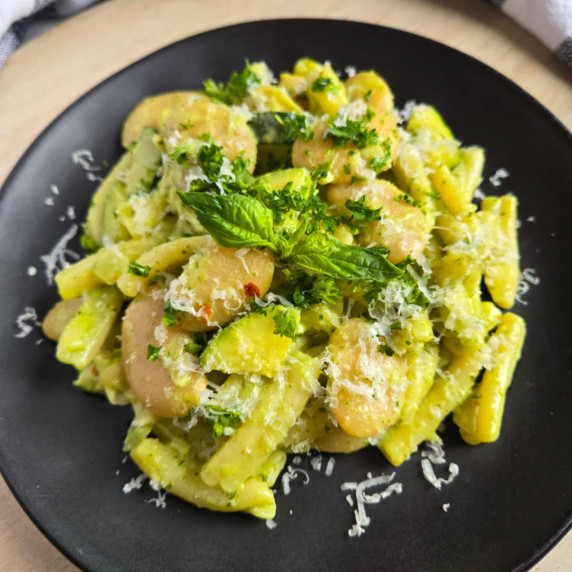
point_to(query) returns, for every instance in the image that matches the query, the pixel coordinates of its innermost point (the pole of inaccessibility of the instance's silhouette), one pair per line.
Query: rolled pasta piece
(161, 258)
(479, 418)
(421, 367)
(281, 402)
(86, 332)
(103, 267)
(180, 476)
(502, 269)
(449, 390)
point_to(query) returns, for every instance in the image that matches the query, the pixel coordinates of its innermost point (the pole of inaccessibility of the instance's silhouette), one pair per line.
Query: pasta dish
(277, 266)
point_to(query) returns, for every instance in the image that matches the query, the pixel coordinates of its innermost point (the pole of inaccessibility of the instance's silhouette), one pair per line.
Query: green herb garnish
(361, 212)
(193, 348)
(235, 90)
(87, 243)
(233, 220)
(295, 126)
(381, 162)
(402, 197)
(153, 352)
(285, 324)
(385, 349)
(342, 130)
(321, 84)
(138, 269)
(169, 314)
(221, 418)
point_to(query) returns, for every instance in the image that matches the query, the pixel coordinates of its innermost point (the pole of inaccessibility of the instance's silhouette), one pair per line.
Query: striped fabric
(549, 20)
(15, 16)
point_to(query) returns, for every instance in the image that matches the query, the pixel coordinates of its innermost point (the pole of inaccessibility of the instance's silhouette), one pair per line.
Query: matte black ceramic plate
(60, 448)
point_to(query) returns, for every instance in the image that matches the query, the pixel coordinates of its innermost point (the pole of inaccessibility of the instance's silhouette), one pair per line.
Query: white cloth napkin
(549, 20)
(15, 14)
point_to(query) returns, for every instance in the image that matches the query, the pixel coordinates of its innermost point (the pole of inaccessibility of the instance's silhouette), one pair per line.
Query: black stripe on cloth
(564, 51)
(12, 39)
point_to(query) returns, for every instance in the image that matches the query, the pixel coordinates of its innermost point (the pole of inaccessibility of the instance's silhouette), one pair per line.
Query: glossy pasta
(280, 266)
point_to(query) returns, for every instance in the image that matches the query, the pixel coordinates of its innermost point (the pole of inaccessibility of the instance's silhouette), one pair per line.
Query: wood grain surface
(45, 76)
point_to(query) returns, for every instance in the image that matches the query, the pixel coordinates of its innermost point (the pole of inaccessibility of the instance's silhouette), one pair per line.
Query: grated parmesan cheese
(159, 500)
(403, 114)
(57, 258)
(362, 521)
(438, 482)
(330, 466)
(24, 328)
(350, 71)
(528, 279)
(316, 462)
(496, 179)
(134, 484)
(84, 158)
(290, 475)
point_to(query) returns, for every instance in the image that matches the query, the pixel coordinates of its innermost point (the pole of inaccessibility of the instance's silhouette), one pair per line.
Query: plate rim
(566, 526)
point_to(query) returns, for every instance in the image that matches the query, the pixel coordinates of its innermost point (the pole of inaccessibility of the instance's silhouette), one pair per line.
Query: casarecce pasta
(276, 266)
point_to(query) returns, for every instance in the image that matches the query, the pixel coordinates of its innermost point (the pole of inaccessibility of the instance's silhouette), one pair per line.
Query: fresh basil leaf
(236, 221)
(325, 254)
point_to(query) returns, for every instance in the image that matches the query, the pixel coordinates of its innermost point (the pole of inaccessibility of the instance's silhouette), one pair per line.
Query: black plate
(60, 449)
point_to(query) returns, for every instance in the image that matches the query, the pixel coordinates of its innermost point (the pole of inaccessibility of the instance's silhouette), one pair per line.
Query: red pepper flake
(252, 290)
(94, 370)
(204, 312)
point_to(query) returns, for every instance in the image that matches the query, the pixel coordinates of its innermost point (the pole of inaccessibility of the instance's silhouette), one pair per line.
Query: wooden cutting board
(45, 76)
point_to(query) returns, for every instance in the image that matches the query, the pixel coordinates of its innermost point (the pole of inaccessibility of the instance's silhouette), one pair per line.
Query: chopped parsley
(221, 418)
(385, 349)
(285, 324)
(235, 90)
(361, 212)
(169, 314)
(321, 84)
(381, 162)
(193, 348)
(87, 243)
(304, 290)
(138, 269)
(153, 352)
(321, 171)
(402, 197)
(342, 130)
(180, 155)
(210, 159)
(295, 126)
